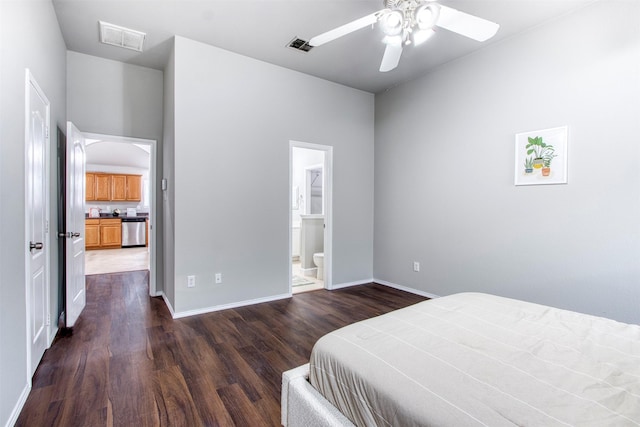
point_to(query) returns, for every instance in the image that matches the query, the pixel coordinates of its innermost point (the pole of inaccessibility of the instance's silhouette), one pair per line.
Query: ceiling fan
(406, 22)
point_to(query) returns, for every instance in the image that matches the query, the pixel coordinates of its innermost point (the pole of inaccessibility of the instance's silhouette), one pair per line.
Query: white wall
(113, 98)
(444, 169)
(29, 38)
(234, 118)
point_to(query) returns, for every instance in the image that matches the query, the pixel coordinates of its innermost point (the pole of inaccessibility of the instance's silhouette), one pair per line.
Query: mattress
(475, 359)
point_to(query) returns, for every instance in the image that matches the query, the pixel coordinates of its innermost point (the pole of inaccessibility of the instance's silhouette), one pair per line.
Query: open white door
(75, 286)
(37, 221)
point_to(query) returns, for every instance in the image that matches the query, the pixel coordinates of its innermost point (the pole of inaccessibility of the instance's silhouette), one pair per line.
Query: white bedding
(476, 359)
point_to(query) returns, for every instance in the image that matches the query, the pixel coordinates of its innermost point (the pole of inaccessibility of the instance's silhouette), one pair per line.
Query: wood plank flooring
(128, 363)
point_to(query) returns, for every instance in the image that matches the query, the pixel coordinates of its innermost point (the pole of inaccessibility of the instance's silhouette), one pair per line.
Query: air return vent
(299, 44)
(121, 37)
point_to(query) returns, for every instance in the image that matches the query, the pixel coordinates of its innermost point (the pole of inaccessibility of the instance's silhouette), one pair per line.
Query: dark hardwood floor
(128, 363)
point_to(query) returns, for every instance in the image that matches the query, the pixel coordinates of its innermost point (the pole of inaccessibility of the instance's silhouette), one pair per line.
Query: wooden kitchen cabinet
(113, 187)
(134, 188)
(110, 233)
(118, 187)
(103, 187)
(92, 233)
(90, 186)
(103, 233)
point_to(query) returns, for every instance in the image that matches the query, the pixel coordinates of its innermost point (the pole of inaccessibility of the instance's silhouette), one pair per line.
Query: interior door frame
(153, 226)
(328, 209)
(31, 82)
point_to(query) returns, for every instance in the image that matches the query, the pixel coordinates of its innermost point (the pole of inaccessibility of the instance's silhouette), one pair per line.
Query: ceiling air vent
(299, 44)
(122, 37)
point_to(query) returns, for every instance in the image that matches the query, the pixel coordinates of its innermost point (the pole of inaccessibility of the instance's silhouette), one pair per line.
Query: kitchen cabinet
(103, 233)
(91, 186)
(92, 233)
(113, 187)
(134, 188)
(103, 187)
(110, 233)
(118, 187)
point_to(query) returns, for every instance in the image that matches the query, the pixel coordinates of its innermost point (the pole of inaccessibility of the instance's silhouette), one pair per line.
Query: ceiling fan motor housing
(403, 16)
(392, 4)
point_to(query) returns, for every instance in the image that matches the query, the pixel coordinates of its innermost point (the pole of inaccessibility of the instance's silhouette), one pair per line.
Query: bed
(470, 359)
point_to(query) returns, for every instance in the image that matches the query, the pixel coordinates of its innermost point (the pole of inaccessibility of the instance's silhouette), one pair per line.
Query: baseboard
(205, 310)
(349, 284)
(406, 289)
(13, 418)
(181, 314)
(168, 304)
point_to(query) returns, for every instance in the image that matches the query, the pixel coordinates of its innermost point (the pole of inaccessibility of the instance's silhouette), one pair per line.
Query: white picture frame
(541, 157)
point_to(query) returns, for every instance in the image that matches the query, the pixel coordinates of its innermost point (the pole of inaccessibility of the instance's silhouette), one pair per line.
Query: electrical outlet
(218, 277)
(416, 266)
(191, 281)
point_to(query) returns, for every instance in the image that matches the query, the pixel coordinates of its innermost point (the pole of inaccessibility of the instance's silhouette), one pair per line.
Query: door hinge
(46, 226)
(48, 319)
(47, 131)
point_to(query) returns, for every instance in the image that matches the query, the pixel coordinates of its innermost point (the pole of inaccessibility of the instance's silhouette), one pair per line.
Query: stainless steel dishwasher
(134, 232)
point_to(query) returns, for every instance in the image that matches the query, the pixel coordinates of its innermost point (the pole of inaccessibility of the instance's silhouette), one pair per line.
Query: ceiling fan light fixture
(426, 16)
(422, 36)
(392, 23)
(392, 40)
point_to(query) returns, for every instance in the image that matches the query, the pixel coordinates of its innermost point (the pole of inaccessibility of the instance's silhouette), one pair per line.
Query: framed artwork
(541, 157)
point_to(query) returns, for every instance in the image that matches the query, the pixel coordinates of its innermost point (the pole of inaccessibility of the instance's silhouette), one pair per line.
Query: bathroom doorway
(310, 186)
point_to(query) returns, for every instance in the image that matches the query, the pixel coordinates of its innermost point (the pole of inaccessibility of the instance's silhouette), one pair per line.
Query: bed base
(303, 406)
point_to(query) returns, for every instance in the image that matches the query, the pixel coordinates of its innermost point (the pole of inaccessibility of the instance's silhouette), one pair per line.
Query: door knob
(37, 246)
(68, 234)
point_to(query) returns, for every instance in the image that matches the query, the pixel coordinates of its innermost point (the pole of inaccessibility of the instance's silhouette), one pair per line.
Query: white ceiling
(117, 154)
(262, 28)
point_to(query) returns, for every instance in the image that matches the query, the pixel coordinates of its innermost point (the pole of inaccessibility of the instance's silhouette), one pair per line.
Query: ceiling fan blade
(345, 29)
(391, 57)
(467, 25)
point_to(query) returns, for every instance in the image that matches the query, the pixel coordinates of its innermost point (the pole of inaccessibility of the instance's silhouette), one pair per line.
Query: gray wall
(234, 118)
(168, 198)
(445, 165)
(114, 98)
(44, 55)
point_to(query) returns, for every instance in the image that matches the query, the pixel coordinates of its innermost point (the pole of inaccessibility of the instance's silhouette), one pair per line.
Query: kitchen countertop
(108, 215)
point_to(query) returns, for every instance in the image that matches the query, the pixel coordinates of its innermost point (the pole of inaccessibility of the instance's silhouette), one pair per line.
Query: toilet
(318, 260)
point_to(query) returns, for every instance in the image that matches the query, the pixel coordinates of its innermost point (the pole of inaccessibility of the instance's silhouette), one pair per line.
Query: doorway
(310, 237)
(119, 155)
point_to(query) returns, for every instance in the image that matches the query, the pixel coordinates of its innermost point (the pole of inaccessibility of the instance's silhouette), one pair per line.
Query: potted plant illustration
(537, 147)
(546, 163)
(528, 165)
